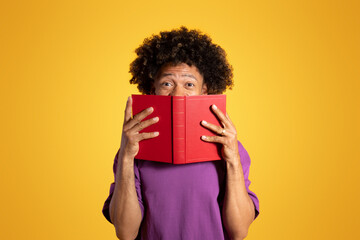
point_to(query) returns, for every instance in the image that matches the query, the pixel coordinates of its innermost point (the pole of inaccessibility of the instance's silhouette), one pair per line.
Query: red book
(179, 128)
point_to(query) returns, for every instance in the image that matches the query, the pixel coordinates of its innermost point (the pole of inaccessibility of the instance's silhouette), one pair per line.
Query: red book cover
(179, 141)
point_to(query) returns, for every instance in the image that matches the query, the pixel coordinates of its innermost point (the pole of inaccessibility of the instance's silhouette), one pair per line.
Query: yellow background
(64, 83)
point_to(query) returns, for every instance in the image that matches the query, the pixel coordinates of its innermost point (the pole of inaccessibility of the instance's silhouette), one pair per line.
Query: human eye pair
(170, 84)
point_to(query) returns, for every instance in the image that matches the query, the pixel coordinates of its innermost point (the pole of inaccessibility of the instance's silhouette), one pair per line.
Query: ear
(204, 89)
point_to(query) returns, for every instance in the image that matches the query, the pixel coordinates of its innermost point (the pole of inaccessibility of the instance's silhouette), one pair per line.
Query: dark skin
(179, 80)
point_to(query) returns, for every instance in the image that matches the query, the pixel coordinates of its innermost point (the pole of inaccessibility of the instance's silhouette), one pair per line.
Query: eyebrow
(182, 75)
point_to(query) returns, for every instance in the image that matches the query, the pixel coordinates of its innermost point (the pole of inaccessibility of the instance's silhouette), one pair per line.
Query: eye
(190, 85)
(166, 84)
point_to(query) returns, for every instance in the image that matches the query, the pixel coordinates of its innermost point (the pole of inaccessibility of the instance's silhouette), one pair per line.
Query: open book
(179, 128)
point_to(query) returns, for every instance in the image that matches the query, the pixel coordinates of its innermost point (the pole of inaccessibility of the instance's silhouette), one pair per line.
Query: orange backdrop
(64, 83)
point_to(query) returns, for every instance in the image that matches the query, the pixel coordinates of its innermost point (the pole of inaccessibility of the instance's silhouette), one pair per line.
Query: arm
(238, 209)
(125, 211)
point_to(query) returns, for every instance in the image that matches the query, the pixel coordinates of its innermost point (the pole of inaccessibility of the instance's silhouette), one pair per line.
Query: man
(208, 200)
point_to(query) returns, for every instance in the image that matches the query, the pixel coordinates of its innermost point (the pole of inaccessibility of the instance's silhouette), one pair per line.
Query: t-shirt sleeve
(245, 162)
(106, 206)
(138, 186)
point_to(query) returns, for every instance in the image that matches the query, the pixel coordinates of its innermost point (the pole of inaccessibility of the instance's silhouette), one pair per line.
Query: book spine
(178, 121)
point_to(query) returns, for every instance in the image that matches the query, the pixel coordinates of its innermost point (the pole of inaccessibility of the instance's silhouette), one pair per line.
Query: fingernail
(156, 133)
(155, 119)
(150, 109)
(214, 107)
(203, 137)
(204, 122)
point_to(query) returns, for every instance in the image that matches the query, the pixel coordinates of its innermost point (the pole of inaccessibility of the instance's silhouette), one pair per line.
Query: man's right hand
(125, 212)
(132, 126)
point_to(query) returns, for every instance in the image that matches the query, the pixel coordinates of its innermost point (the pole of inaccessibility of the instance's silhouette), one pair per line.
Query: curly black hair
(181, 46)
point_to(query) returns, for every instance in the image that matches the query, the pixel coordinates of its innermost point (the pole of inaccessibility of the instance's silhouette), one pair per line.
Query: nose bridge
(177, 91)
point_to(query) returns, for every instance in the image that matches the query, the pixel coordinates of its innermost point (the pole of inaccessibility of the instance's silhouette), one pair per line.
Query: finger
(228, 117)
(144, 124)
(233, 128)
(220, 115)
(146, 135)
(127, 115)
(216, 129)
(138, 118)
(215, 139)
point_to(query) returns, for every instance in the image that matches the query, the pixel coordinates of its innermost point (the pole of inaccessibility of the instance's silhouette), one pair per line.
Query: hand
(227, 136)
(132, 126)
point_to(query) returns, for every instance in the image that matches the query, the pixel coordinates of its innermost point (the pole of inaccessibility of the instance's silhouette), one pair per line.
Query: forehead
(181, 69)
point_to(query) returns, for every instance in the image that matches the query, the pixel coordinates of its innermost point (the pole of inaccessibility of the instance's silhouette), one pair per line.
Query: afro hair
(181, 46)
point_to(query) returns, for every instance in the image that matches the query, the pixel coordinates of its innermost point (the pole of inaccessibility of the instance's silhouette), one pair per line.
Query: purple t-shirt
(182, 201)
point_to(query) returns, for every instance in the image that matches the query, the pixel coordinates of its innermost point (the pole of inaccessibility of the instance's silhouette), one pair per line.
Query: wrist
(233, 163)
(125, 163)
(125, 156)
